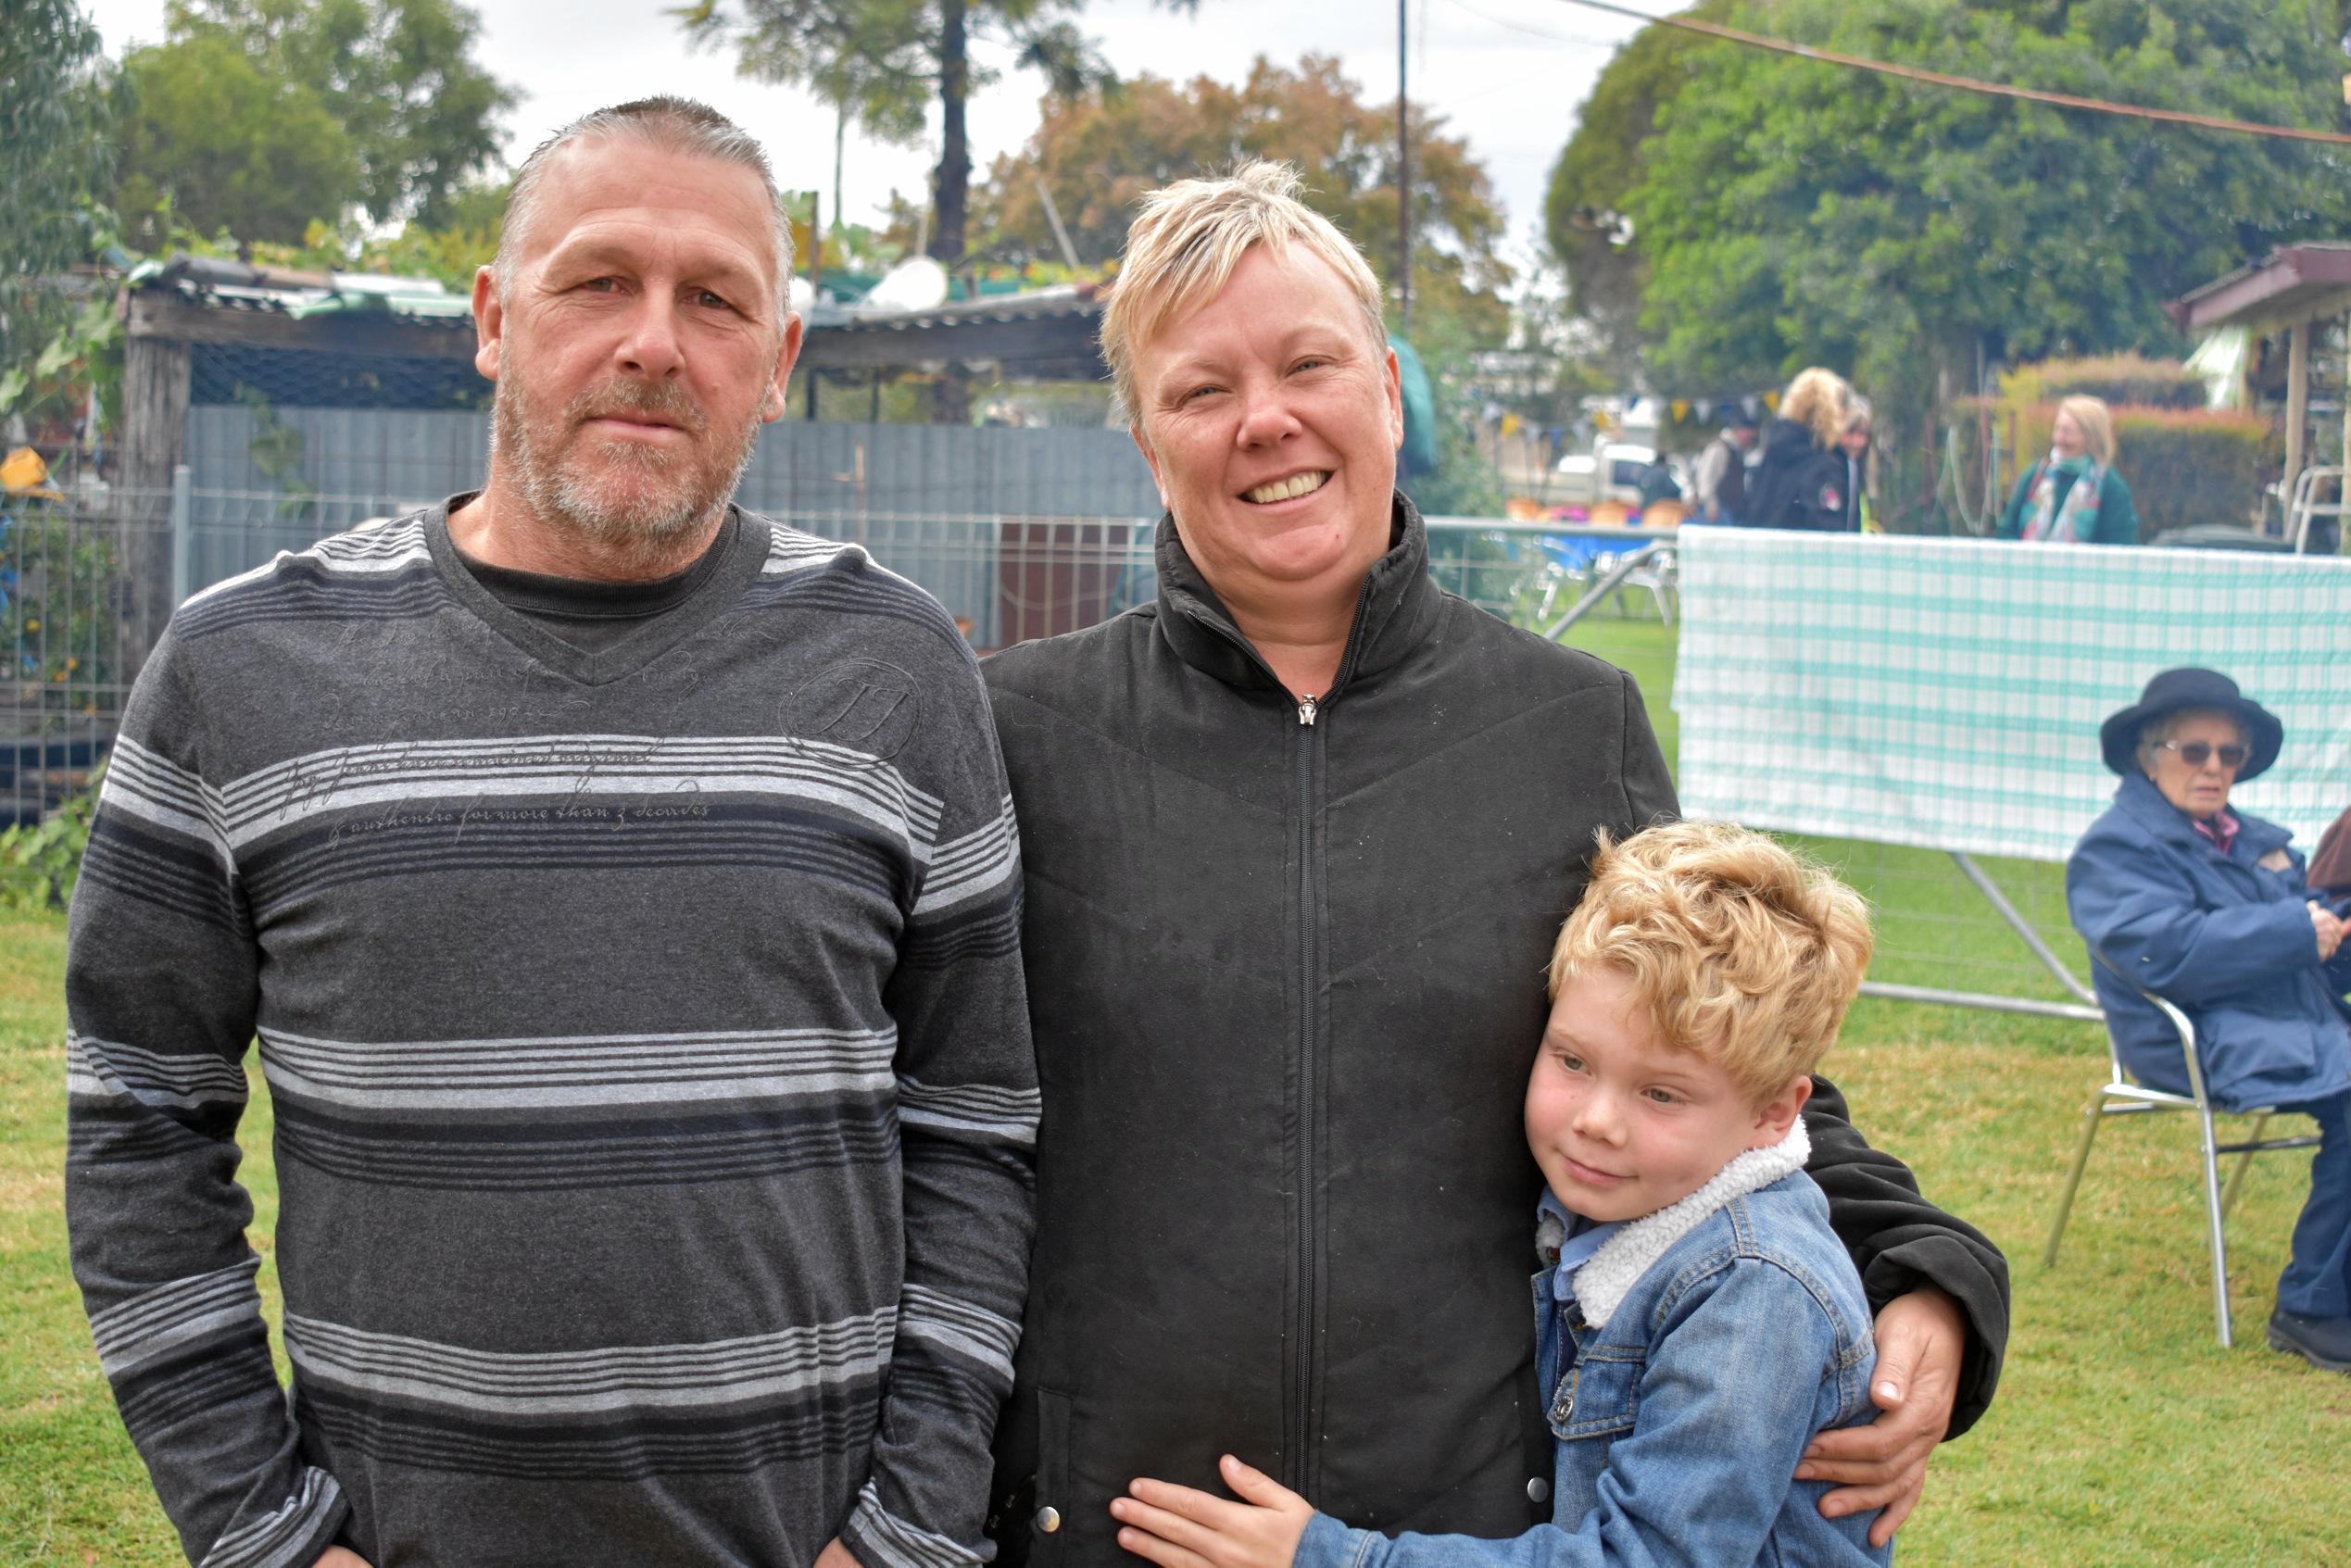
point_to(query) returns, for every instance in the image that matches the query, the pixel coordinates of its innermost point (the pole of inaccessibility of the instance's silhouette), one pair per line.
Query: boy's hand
(1921, 1338)
(1178, 1527)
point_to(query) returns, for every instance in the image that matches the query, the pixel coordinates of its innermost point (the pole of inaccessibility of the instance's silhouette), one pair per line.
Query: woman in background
(1800, 481)
(2180, 896)
(2074, 495)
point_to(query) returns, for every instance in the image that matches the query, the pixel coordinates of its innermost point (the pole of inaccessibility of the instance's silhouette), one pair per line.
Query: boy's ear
(1780, 1112)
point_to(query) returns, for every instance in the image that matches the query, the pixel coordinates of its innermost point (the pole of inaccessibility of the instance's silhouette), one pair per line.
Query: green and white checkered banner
(1947, 693)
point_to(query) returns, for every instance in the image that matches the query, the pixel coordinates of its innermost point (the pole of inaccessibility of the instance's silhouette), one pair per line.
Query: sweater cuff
(878, 1539)
(295, 1536)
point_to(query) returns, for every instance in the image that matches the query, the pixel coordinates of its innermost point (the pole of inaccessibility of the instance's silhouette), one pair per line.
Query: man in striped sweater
(624, 894)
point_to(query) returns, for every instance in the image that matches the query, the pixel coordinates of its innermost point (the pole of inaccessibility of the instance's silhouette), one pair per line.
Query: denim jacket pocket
(1599, 1393)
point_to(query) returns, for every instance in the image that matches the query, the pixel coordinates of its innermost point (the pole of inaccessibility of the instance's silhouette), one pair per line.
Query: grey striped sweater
(645, 1029)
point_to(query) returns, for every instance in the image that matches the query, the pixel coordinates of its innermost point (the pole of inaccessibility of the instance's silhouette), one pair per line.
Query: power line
(1967, 83)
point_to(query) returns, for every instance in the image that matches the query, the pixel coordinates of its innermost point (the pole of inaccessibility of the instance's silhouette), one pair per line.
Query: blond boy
(1697, 1321)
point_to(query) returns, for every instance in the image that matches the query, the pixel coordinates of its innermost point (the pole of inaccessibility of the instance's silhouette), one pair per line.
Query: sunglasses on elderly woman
(2196, 753)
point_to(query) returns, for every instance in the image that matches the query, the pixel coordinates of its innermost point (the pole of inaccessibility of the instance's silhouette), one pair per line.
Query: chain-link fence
(88, 583)
(84, 591)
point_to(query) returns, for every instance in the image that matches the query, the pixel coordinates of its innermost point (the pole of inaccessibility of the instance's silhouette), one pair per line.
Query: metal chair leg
(2219, 1243)
(2091, 1118)
(2245, 1163)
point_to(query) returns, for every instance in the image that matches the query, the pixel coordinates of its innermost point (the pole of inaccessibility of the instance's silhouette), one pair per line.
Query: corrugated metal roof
(219, 284)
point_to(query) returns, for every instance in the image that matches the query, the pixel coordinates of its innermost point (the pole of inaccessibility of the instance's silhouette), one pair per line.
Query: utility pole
(1403, 179)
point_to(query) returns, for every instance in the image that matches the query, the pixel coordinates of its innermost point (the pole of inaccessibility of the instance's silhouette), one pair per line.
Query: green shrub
(2118, 379)
(41, 862)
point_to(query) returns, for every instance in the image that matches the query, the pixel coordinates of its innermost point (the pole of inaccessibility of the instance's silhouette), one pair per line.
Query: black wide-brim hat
(2176, 690)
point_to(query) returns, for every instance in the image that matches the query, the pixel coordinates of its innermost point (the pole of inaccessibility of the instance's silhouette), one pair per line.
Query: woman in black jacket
(1800, 481)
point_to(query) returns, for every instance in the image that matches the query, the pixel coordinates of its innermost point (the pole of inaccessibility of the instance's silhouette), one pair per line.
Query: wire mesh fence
(84, 591)
(87, 583)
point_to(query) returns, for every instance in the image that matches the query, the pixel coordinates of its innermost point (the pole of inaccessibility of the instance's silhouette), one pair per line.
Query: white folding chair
(2121, 1097)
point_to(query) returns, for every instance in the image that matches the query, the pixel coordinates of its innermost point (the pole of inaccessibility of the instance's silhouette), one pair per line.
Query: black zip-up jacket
(1285, 976)
(1797, 482)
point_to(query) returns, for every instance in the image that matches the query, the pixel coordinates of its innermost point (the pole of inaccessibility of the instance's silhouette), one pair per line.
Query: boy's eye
(1661, 1096)
(1571, 1061)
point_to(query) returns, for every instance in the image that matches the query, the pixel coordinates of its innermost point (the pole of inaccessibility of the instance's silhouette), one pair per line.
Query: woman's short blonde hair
(1186, 241)
(2097, 425)
(1734, 948)
(1815, 399)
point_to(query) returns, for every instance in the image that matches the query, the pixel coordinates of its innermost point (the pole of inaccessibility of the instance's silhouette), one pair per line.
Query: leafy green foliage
(227, 145)
(1788, 212)
(58, 105)
(262, 117)
(1793, 212)
(2114, 377)
(1592, 181)
(41, 862)
(57, 620)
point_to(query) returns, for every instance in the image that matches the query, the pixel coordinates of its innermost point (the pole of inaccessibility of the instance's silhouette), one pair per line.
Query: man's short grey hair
(673, 125)
(1184, 242)
(2163, 726)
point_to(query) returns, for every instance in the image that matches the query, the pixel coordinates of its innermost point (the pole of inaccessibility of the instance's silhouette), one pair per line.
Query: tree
(880, 62)
(56, 107)
(1099, 153)
(263, 116)
(1584, 204)
(1787, 212)
(223, 144)
(399, 75)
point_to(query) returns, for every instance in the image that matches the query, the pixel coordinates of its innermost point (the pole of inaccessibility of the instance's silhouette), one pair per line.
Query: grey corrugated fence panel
(399, 457)
(893, 487)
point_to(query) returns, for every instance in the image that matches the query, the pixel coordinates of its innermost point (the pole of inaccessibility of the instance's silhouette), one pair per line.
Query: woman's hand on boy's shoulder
(1178, 1527)
(1921, 1338)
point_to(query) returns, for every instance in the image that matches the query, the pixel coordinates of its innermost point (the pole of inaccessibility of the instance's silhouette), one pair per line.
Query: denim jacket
(1675, 1429)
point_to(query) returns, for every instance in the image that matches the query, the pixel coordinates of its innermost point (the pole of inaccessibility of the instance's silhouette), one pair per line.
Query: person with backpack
(1801, 482)
(1719, 488)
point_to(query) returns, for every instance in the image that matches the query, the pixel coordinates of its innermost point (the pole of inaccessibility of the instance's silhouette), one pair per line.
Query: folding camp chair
(2121, 1097)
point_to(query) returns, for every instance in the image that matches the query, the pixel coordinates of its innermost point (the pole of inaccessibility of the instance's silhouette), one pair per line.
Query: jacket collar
(2138, 797)
(1397, 607)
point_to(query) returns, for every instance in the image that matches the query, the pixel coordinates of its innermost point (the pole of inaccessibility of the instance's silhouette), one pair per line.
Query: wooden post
(2297, 413)
(156, 374)
(2343, 492)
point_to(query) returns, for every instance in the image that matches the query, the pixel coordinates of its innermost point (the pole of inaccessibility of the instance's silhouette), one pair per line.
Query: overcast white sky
(1507, 74)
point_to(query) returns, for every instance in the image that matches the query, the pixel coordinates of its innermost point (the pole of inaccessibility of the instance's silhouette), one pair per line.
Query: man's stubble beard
(609, 507)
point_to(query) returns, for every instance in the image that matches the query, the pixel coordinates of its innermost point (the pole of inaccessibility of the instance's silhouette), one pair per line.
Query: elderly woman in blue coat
(2206, 908)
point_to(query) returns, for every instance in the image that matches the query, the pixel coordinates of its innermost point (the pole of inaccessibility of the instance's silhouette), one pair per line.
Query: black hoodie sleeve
(1900, 1242)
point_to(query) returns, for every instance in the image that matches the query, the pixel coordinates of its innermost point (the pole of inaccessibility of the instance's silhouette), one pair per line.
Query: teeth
(1283, 489)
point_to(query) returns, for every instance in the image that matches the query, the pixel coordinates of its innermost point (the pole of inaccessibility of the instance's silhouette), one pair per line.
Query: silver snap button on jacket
(1048, 1521)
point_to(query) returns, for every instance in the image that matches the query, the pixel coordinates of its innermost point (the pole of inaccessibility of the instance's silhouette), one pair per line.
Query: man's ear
(489, 322)
(787, 353)
(1780, 1112)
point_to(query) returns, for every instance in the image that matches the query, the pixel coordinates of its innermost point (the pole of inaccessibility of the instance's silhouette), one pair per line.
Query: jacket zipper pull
(1307, 707)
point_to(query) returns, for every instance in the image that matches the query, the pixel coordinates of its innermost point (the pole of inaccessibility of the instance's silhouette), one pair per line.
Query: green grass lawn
(2123, 1433)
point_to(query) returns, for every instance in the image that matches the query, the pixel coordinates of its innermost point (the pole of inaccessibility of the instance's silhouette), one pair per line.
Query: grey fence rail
(88, 581)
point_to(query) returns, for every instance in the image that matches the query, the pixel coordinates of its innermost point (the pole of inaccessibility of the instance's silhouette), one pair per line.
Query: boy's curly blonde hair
(1735, 947)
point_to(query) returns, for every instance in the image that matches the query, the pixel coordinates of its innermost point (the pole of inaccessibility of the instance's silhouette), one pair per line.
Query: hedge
(2117, 379)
